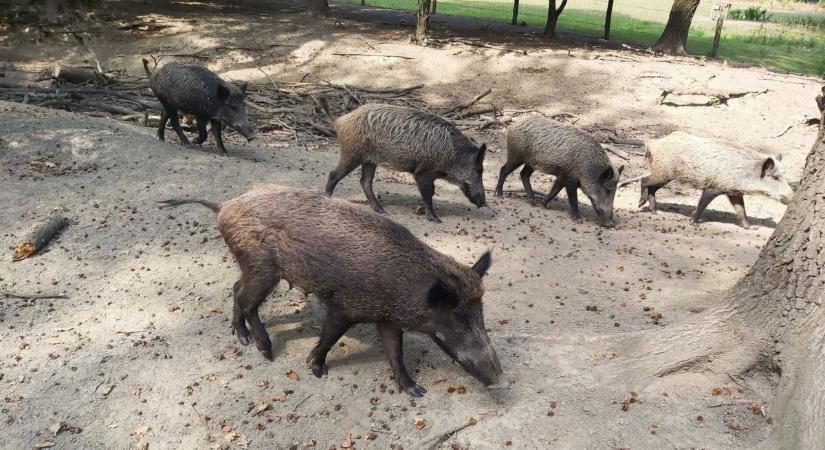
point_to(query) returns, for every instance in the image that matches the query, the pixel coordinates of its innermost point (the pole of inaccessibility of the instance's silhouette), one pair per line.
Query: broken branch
(40, 235)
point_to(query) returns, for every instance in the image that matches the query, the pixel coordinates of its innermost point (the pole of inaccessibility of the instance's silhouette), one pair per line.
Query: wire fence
(779, 45)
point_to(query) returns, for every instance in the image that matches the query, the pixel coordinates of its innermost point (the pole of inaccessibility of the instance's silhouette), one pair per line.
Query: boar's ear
(606, 175)
(768, 167)
(242, 87)
(223, 93)
(482, 150)
(483, 264)
(442, 296)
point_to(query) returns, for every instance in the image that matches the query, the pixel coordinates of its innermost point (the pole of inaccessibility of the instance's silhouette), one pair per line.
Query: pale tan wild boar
(714, 168)
(363, 267)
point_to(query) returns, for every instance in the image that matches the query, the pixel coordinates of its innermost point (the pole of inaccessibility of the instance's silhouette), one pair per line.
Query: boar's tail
(146, 68)
(174, 202)
(322, 103)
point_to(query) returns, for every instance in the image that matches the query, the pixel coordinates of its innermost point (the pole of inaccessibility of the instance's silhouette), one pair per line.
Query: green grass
(793, 48)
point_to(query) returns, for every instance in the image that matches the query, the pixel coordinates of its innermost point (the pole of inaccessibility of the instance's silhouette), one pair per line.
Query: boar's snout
(485, 367)
(605, 217)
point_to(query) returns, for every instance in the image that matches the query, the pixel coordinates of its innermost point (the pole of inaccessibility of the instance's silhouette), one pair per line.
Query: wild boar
(572, 155)
(195, 90)
(363, 267)
(714, 168)
(407, 140)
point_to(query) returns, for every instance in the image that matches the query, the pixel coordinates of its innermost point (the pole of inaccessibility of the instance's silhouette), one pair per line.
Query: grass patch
(792, 48)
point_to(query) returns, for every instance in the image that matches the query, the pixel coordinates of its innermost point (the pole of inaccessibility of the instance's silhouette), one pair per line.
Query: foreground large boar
(363, 267)
(407, 140)
(714, 168)
(572, 155)
(196, 90)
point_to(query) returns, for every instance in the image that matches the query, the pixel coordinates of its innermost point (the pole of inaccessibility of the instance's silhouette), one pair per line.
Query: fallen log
(40, 235)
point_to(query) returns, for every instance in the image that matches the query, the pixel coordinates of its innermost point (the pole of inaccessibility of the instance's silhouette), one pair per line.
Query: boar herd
(364, 267)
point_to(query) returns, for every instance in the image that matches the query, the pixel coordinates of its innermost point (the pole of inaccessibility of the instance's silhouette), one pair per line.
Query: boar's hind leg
(201, 130)
(571, 187)
(216, 132)
(738, 202)
(426, 185)
(648, 194)
(343, 169)
(704, 201)
(367, 175)
(250, 294)
(173, 118)
(238, 321)
(335, 325)
(526, 173)
(506, 170)
(391, 337)
(164, 117)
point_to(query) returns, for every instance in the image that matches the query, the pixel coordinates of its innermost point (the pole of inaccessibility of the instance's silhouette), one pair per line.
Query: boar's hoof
(244, 340)
(695, 221)
(319, 370)
(267, 354)
(416, 391)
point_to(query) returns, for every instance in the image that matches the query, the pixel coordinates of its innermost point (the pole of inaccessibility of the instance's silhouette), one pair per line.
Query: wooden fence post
(607, 17)
(515, 12)
(720, 20)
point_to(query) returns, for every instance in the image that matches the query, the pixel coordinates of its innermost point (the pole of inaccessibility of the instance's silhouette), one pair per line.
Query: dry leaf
(293, 375)
(44, 444)
(260, 408)
(278, 398)
(419, 423)
(215, 310)
(56, 428)
(229, 437)
(226, 428)
(347, 443)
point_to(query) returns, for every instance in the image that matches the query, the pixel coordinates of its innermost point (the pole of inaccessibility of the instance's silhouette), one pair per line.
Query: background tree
(553, 17)
(771, 325)
(422, 22)
(674, 37)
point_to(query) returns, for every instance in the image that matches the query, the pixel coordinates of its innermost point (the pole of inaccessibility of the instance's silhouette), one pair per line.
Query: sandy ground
(141, 352)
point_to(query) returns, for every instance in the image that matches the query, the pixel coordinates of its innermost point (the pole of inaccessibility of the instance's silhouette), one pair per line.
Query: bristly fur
(705, 164)
(191, 89)
(360, 261)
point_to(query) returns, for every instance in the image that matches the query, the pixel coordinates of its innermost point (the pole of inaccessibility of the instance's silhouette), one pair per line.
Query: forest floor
(141, 355)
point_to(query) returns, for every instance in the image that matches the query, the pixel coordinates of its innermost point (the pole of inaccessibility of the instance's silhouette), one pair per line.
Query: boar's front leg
(738, 202)
(426, 185)
(391, 336)
(238, 321)
(335, 325)
(554, 191)
(571, 187)
(216, 133)
(506, 170)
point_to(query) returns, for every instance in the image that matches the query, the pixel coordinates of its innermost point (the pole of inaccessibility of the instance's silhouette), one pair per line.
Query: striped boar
(197, 91)
(572, 155)
(714, 168)
(363, 267)
(407, 140)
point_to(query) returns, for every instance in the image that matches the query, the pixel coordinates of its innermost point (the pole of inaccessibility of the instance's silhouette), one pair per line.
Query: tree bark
(771, 324)
(318, 8)
(674, 37)
(422, 23)
(553, 14)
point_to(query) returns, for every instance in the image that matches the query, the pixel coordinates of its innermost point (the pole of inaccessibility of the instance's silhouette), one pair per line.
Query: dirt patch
(141, 352)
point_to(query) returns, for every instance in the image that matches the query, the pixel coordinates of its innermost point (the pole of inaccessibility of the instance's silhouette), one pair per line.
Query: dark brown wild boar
(363, 267)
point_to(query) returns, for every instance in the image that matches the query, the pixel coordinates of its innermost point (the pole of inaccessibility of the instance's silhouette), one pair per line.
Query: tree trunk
(422, 23)
(553, 14)
(318, 8)
(674, 38)
(771, 324)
